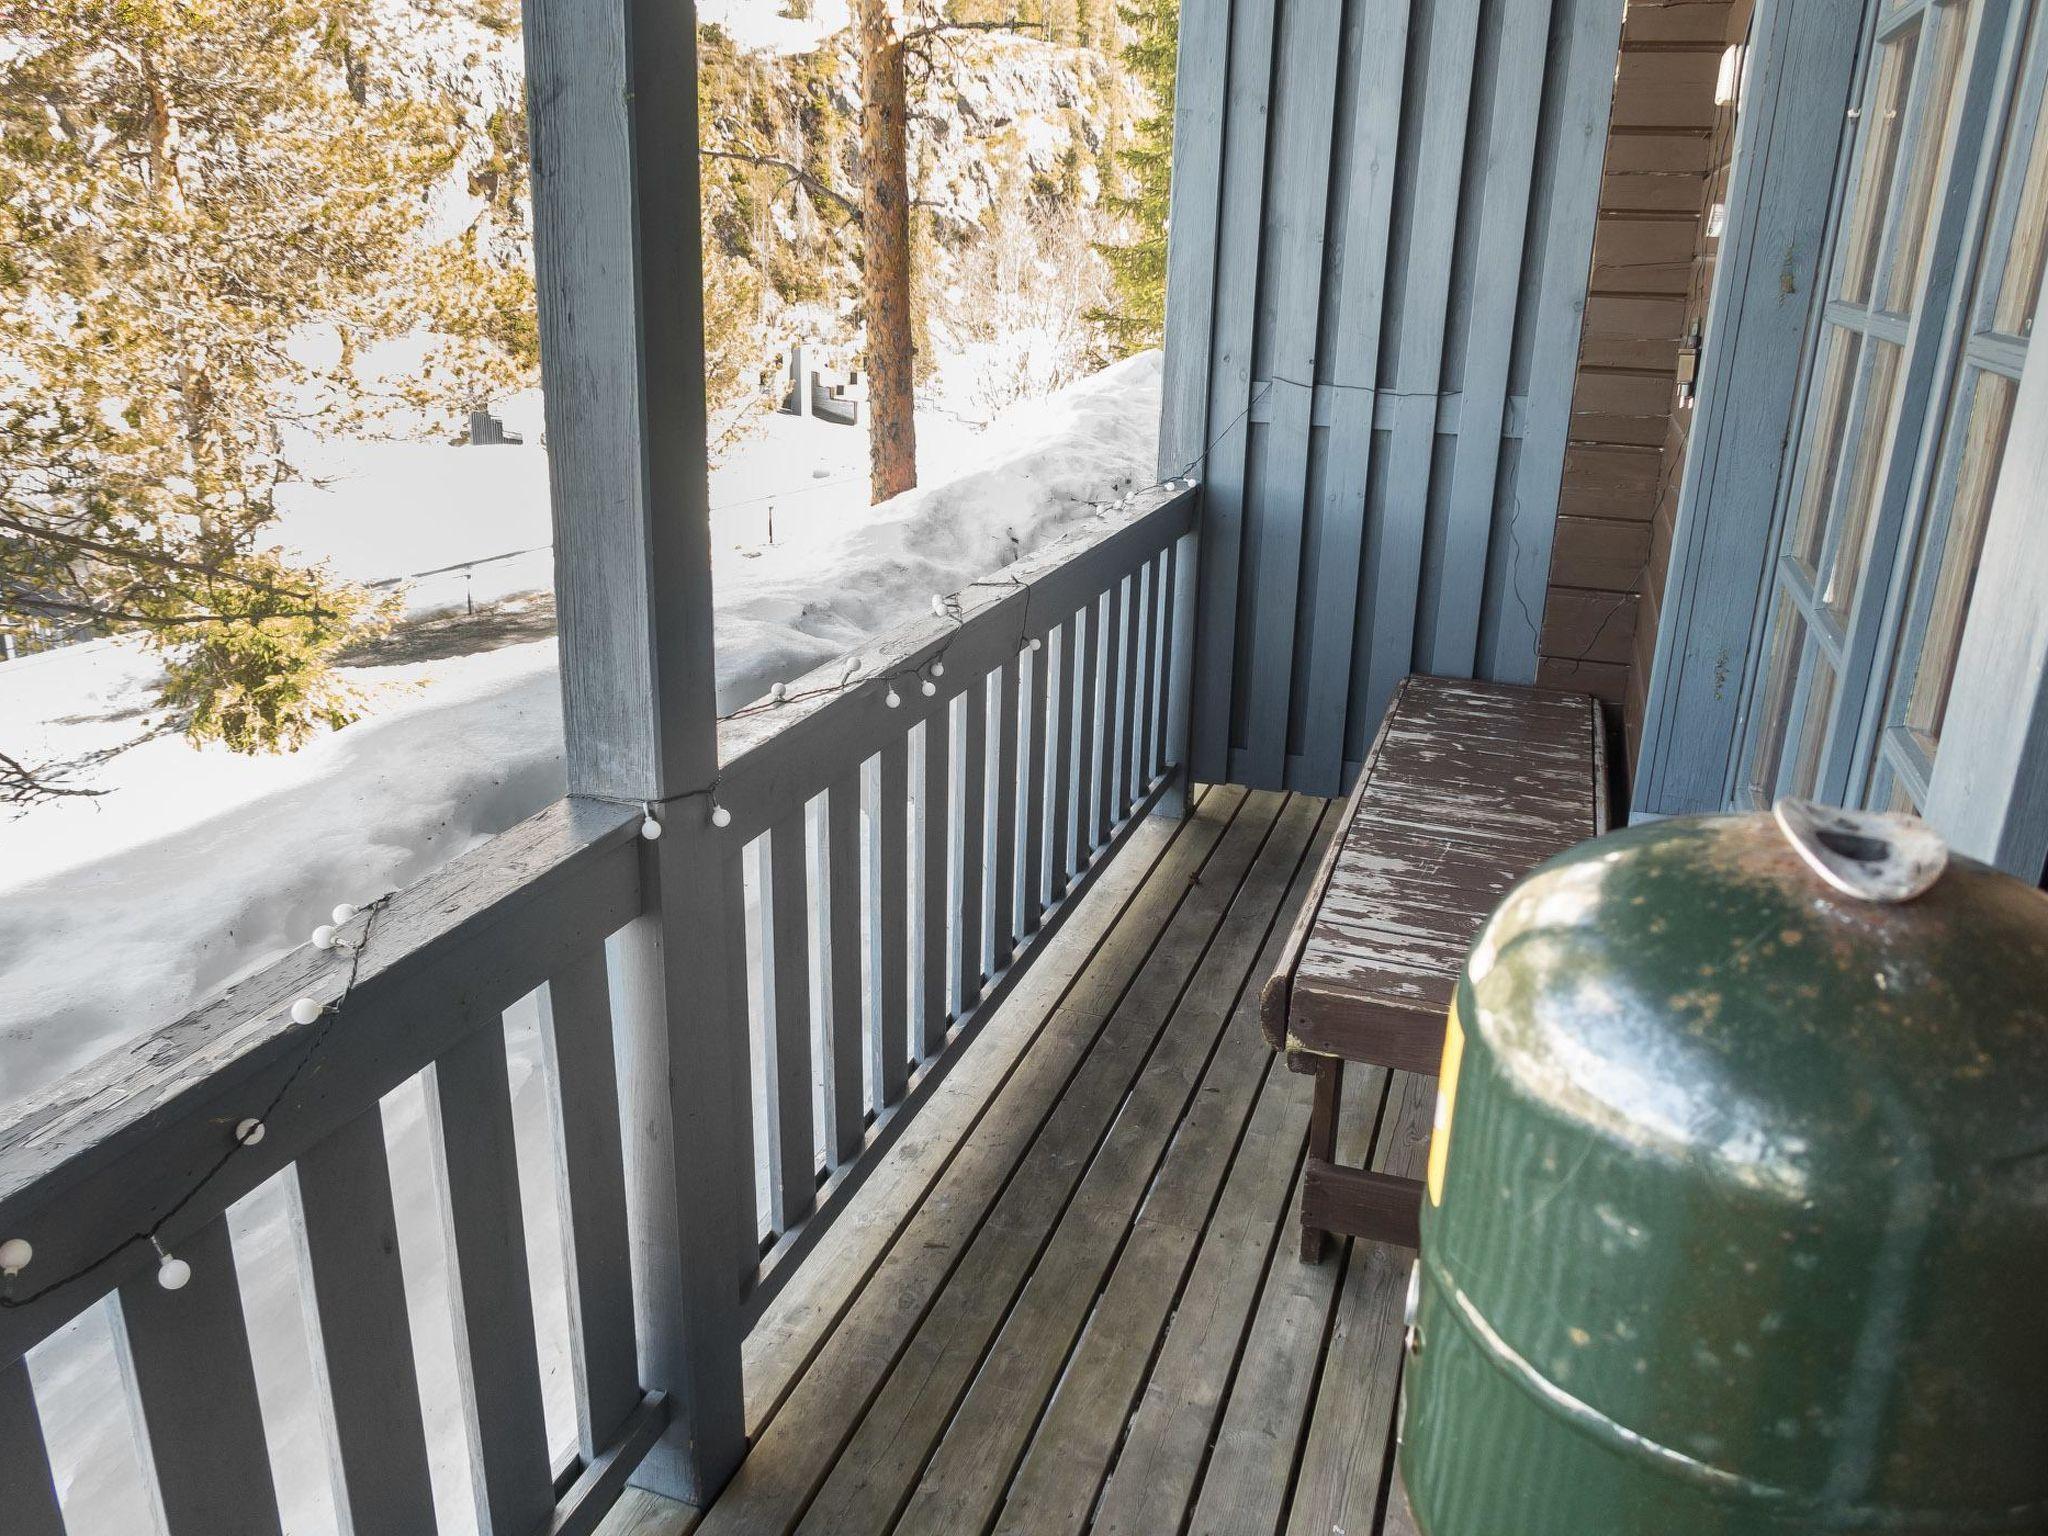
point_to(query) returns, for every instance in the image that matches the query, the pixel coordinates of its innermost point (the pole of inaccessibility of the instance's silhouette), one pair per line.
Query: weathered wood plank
(1200, 81)
(1375, 46)
(796, 1450)
(1198, 1061)
(1350, 1435)
(1395, 554)
(354, 1286)
(1221, 457)
(1450, 631)
(498, 1362)
(1366, 1204)
(1243, 1487)
(880, 1463)
(786, 1027)
(1057, 1482)
(840, 922)
(186, 1354)
(581, 1063)
(1297, 202)
(29, 1489)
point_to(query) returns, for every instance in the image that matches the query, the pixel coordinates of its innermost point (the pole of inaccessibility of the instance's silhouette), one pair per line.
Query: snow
(452, 750)
(197, 866)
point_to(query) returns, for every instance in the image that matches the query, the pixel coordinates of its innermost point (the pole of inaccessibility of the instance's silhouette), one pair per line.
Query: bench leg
(1322, 1143)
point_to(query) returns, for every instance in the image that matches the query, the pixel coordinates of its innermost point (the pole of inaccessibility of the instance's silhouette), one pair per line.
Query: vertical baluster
(581, 1061)
(350, 1273)
(1148, 677)
(186, 1354)
(1171, 705)
(935, 906)
(973, 786)
(846, 1096)
(786, 1027)
(1060, 758)
(1088, 661)
(889, 923)
(500, 1369)
(1132, 638)
(1005, 923)
(1112, 719)
(1035, 760)
(26, 1486)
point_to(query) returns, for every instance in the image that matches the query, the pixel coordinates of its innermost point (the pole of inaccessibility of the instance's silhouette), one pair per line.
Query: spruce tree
(1138, 265)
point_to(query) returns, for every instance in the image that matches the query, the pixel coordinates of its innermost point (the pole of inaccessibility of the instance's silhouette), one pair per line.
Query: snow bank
(120, 913)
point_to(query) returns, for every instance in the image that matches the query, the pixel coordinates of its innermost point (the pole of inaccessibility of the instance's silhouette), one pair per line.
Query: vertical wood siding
(1383, 215)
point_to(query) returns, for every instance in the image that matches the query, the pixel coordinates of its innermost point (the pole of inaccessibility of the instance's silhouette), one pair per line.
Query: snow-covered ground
(119, 913)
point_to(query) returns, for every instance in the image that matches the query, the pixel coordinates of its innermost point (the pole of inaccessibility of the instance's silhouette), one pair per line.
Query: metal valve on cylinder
(1736, 1215)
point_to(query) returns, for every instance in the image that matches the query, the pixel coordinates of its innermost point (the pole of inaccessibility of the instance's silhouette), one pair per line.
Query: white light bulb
(1037, 644)
(779, 692)
(343, 913)
(305, 1011)
(938, 605)
(720, 816)
(893, 699)
(173, 1274)
(249, 1132)
(938, 669)
(650, 828)
(14, 1255)
(928, 688)
(323, 936)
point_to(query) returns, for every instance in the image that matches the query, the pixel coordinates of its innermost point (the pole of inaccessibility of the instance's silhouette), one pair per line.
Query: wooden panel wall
(1667, 165)
(1383, 217)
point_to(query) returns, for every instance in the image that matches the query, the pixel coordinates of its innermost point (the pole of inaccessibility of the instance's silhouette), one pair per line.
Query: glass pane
(1830, 423)
(1976, 473)
(2020, 291)
(1862, 476)
(1930, 143)
(1781, 672)
(1884, 117)
(1813, 726)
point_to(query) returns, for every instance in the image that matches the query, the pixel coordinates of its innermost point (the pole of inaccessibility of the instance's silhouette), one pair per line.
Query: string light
(323, 936)
(650, 828)
(172, 1273)
(15, 1254)
(720, 816)
(893, 699)
(249, 1132)
(306, 1010)
(928, 687)
(343, 913)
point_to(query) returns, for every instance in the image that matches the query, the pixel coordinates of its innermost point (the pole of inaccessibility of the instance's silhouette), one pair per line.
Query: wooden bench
(1468, 786)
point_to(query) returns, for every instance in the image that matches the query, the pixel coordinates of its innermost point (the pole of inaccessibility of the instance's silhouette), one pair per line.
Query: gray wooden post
(612, 118)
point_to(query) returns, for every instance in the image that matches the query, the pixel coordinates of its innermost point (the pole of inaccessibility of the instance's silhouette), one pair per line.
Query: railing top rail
(96, 1159)
(774, 756)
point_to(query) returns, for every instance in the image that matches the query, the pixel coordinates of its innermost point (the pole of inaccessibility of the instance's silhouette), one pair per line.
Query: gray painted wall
(1382, 222)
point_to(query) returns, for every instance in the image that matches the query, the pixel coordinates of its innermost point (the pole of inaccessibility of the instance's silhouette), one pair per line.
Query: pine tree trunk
(885, 241)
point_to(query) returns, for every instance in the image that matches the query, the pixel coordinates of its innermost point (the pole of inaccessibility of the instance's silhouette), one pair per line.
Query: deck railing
(910, 859)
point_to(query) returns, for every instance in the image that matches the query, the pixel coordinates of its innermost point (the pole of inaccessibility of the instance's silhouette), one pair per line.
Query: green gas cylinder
(1736, 1216)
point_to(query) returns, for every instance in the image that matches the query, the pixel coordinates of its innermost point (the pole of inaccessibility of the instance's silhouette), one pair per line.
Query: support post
(612, 121)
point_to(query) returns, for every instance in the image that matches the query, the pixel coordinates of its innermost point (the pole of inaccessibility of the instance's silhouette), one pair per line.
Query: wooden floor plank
(1343, 1468)
(1056, 1485)
(1244, 1486)
(1203, 1065)
(1099, 933)
(866, 1490)
(795, 1451)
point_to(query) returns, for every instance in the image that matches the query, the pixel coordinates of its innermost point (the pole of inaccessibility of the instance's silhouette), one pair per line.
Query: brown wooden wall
(1667, 154)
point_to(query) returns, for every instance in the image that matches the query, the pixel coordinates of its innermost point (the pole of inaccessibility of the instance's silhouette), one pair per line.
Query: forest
(226, 222)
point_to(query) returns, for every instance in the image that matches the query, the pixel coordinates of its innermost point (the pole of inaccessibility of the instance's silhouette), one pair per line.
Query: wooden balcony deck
(1069, 1299)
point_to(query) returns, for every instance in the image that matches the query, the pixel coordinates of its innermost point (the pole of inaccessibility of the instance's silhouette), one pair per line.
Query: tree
(1138, 266)
(885, 248)
(204, 212)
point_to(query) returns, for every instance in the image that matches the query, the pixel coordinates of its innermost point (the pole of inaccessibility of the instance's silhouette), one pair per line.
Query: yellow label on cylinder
(1446, 1100)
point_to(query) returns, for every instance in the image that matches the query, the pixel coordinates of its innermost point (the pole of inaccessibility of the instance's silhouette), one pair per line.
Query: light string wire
(949, 607)
(330, 1016)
